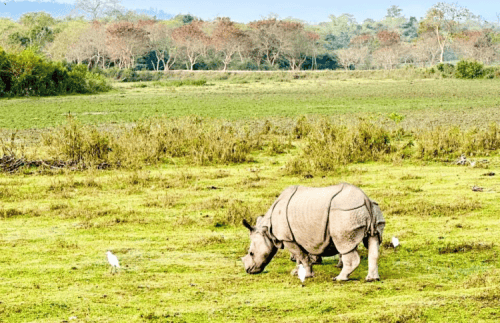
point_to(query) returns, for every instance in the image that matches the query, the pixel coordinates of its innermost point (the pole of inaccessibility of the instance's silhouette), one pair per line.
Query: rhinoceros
(318, 221)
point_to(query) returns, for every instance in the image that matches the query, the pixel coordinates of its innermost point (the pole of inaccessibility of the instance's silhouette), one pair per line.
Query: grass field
(424, 99)
(172, 225)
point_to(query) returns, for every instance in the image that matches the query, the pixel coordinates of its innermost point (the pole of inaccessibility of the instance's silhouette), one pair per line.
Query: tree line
(107, 36)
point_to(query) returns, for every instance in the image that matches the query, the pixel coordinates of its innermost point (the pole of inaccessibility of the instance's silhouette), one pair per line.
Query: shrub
(469, 69)
(28, 74)
(446, 69)
(5, 76)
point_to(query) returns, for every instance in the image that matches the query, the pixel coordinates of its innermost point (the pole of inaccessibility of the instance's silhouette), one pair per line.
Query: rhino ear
(247, 225)
(259, 220)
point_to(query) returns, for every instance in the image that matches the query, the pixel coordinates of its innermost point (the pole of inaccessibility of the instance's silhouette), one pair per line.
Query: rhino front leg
(301, 257)
(350, 262)
(373, 247)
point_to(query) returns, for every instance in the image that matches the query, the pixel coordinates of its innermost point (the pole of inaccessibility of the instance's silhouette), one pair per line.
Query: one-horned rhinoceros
(318, 221)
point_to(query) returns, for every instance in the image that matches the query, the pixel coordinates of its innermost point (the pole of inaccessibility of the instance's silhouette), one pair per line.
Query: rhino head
(262, 249)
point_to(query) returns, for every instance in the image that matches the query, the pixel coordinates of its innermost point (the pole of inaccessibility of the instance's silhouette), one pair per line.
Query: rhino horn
(247, 225)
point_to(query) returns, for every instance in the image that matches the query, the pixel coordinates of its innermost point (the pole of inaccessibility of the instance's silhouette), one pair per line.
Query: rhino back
(308, 213)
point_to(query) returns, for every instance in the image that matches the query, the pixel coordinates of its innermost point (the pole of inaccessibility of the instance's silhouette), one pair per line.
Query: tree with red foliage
(227, 39)
(268, 39)
(476, 45)
(191, 41)
(126, 41)
(388, 38)
(298, 43)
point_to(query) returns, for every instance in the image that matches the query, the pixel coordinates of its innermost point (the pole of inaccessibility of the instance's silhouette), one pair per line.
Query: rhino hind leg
(339, 264)
(350, 262)
(373, 248)
(301, 257)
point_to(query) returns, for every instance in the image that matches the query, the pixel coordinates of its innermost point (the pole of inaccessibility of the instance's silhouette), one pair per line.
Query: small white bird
(395, 242)
(302, 273)
(113, 261)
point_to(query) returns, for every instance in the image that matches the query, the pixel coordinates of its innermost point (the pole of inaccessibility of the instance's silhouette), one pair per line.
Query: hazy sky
(313, 12)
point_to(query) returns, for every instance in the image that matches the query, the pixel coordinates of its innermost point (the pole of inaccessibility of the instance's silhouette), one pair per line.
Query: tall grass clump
(329, 146)
(443, 143)
(197, 141)
(77, 143)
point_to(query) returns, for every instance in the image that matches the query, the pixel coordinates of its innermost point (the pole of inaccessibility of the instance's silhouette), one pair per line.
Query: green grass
(424, 99)
(171, 225)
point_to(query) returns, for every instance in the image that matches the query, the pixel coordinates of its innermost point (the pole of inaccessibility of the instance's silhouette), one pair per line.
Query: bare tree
(96, 8)
(426, 49)
(476, 45)
(444, 20)
(348, 57)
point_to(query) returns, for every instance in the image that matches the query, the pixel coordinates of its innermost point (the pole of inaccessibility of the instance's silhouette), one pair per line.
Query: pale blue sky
(245, 11)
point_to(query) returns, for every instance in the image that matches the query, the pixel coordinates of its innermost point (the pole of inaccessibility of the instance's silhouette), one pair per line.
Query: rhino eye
(251, 254)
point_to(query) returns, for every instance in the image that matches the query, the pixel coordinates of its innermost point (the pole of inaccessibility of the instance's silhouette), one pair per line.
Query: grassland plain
(175, 227)
(425, 99)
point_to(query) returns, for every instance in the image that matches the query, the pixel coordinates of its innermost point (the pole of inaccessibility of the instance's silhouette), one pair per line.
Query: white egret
(113, 261)
(302, 273)
(395, 242)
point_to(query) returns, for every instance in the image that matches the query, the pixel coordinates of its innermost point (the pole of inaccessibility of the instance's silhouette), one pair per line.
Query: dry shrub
(330, 146)
(450, 142)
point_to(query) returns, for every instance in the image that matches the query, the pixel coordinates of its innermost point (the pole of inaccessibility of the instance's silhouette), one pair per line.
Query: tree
(393, 19)
(475, 45)
(267, 37)
(352, 56)
(298, 44)
(125, 41)
(388, 38)
(63, 41)
(191, 41)
(409, 30)
(387, 57)
(426, 49)
(227, 39)
(444, 19)
(345, 23)
(333, 42)
(97, 8)
(8, 28)
(160, 41)
(36, 29)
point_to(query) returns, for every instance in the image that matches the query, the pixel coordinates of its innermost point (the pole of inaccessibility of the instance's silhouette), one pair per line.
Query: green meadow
(174, 221)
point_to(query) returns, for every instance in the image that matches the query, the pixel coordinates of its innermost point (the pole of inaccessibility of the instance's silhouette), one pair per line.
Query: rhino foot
(371, 279)
(340, 279)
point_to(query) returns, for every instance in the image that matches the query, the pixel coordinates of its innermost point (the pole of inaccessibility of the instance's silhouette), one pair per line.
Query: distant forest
(102, 35)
